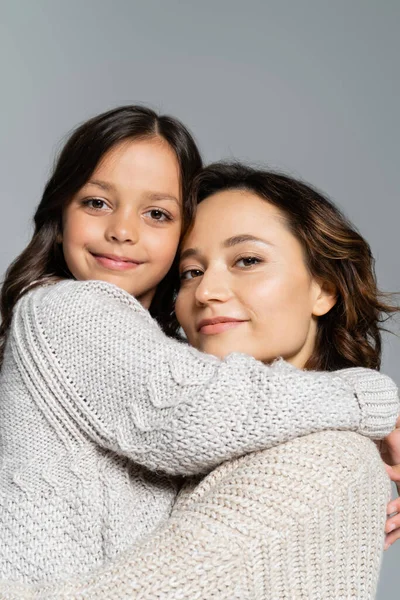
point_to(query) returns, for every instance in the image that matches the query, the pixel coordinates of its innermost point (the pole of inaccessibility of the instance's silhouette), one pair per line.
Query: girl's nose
(123, 229)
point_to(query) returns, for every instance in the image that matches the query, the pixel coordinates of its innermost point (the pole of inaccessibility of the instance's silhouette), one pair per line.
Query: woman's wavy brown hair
(349, 335)
(43, 257)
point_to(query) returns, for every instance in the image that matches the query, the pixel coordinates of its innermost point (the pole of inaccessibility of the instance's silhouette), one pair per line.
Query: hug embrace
(190, 387)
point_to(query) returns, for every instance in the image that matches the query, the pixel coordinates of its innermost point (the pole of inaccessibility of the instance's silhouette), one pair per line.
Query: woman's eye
(248, 261)
(95, 203)
(191, 274)
(158, 215)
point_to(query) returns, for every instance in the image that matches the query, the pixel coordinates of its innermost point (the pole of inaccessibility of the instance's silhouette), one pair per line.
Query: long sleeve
(167, 406)
(237, 534)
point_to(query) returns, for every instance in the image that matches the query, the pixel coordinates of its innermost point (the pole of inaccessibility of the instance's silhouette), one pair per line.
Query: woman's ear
(326, 298)
(59, 238)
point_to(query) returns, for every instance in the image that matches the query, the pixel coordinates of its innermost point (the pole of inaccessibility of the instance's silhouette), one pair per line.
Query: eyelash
(249, 257)
(88, 203)
(90, 200)
(182, 275)
(163, 212)
(255, 258)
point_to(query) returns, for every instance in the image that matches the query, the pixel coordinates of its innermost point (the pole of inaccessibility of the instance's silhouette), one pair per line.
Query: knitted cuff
(378, 398)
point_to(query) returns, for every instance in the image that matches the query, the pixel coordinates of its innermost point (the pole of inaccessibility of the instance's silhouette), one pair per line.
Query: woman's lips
(115, 263)
(218, 325)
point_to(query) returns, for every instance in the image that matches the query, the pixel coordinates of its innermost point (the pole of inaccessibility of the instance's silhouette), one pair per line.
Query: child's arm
(169, 407)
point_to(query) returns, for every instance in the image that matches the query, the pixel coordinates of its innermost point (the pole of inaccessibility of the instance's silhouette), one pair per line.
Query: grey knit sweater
(100, 412)
(301, 521)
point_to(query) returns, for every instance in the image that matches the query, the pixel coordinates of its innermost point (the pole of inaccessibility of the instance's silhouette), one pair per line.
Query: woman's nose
(213, 287)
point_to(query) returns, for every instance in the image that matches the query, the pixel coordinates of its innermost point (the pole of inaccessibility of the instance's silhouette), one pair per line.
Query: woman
(283, 275)
(101, 413)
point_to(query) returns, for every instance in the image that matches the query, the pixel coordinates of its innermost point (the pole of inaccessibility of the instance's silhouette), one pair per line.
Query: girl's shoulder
(70, 295)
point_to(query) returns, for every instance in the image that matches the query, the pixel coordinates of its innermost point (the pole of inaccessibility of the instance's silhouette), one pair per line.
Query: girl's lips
(115, 264)
(214, 328)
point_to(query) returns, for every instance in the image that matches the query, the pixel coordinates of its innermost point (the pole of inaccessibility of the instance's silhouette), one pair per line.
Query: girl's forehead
(139, 164)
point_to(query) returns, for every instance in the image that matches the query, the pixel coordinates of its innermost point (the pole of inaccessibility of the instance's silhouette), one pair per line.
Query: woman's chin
(222, 350)
(218, 350)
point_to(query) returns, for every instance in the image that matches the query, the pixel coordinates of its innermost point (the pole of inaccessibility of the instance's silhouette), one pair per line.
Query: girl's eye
(248, 261)
(190, 274)
(95, 203)
(157, 214)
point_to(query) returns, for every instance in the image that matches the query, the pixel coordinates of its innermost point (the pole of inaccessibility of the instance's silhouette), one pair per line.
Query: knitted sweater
(100, 412)
(302, 521)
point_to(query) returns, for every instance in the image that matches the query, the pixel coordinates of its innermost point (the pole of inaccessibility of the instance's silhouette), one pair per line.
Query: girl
(100, 412)
(258, 283)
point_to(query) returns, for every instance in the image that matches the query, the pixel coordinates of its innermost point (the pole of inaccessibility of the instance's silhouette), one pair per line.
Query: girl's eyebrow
(104, 185)
(159, 197)
(151, 196)
(228, 243)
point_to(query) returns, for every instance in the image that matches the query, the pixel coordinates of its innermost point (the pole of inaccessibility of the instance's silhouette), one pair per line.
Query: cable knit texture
(302, 521)
(100, 413)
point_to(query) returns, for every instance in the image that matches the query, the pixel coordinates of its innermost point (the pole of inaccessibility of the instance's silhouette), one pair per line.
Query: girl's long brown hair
(43, 257)
(349, 335)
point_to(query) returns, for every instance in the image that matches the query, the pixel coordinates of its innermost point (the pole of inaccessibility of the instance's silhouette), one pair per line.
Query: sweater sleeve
(169, 407)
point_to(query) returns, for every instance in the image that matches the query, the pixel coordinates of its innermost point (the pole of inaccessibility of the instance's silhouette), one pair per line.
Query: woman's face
(244, 283)
(124, 225)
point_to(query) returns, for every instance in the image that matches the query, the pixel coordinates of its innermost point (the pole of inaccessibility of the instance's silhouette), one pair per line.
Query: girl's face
(124, 225)
(244, 283)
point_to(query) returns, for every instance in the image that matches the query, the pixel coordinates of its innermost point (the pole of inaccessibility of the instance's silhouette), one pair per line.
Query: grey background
(312, 87)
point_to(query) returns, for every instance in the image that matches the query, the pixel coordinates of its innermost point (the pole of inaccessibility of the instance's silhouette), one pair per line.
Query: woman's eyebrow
(244, 237)
(228, 243)
(189, 252)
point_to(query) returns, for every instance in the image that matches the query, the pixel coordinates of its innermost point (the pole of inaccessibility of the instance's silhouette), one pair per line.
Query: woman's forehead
(224, 222)
(235, 213)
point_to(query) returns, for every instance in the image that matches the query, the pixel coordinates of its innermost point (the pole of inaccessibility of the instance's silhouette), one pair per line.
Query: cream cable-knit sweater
(100, 411)
(302, 521)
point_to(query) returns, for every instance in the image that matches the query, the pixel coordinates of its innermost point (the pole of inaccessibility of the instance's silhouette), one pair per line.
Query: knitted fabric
(100, 412)
(302, 521)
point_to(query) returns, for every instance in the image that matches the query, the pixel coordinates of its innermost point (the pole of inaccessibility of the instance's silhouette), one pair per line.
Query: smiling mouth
(115, 263)
(219, 325)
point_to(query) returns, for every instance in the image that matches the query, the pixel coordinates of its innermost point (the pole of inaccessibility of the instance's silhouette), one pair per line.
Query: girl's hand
(390, 452)
(390, 446)
(392, 527)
